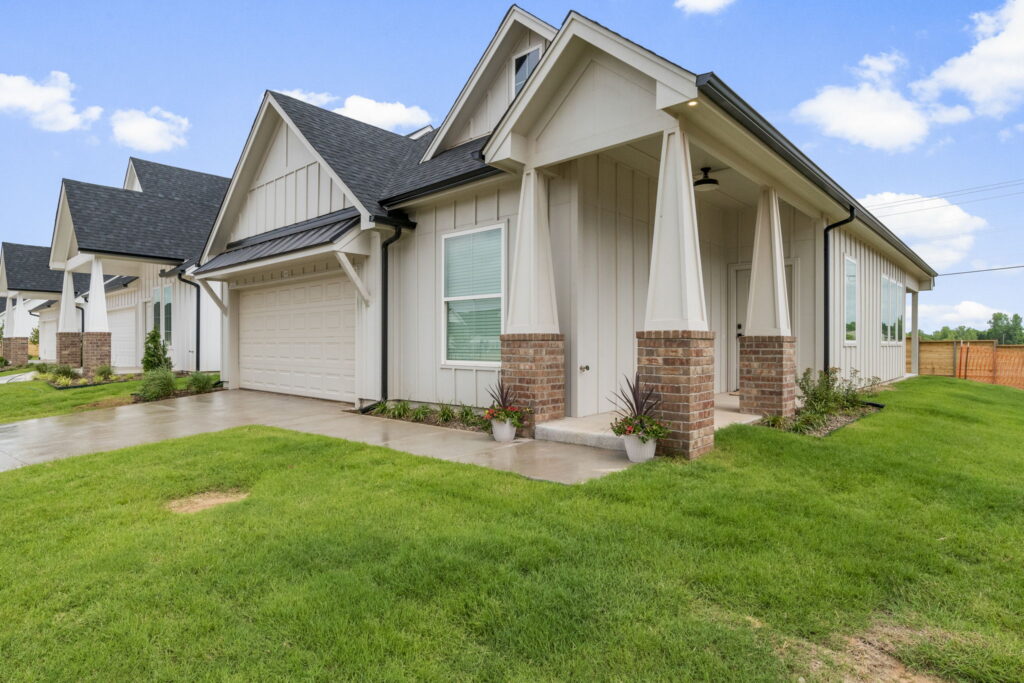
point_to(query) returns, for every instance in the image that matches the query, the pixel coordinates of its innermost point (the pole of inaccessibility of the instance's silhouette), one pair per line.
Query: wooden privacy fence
(983, 360)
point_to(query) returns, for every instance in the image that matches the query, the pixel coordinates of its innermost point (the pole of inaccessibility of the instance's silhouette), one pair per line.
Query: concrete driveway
(52, 438)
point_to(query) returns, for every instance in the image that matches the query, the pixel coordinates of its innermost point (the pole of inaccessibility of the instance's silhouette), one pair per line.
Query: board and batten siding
(870, 356)
(417, 369)
(291, 186)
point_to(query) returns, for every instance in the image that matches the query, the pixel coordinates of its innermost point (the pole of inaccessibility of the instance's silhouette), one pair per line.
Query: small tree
(155, 356)
(34, 337)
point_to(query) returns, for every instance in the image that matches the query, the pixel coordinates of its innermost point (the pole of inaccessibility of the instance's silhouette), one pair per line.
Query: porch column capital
(68, 321)
(532, 308)
(768, 302)
(675, 291)
(96, 313)
(17, 324)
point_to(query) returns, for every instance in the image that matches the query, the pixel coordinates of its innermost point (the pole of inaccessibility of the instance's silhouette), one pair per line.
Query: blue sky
(894, 100)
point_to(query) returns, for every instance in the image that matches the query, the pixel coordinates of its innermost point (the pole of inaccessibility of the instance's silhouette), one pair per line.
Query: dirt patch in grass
(868, 656)
(204, 501)
(111, 402)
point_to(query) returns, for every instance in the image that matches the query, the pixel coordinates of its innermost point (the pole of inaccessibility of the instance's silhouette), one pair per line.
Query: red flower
(629, 429)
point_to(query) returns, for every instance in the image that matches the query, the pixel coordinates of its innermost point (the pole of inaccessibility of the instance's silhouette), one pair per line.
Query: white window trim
(512, 68)
(857, 327)
(470, 364)
(148, 302)
(901, 305)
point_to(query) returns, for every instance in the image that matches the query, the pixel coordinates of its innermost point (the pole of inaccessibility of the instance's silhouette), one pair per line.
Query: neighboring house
(587, 210)
(135, 243)
(27, 282)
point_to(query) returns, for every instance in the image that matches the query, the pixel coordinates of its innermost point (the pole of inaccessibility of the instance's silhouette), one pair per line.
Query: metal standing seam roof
(291, 238)
(28, 269)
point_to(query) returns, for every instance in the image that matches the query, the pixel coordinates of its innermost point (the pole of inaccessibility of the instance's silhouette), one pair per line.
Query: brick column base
(680, 365)
(69, 349)
(95, 350)
(16, 350)
(768, 375)
(533, 366)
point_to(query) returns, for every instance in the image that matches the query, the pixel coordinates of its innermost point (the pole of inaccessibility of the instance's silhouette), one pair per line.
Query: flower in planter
(637, 404)
(503, 405)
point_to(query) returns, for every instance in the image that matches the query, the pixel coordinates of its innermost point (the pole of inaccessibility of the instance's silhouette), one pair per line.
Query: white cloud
(154, 131)
(320, 99)
(1007, 134)
(702, 6)
(970, 313)
(880, 68)
(943, 235)
(48, 105)
(389, 115)
(991, 73)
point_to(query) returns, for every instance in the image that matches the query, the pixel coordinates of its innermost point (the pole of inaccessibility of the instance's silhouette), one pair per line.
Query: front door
(740, 296)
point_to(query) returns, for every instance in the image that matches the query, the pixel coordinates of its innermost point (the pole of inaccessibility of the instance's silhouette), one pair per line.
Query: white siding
(869, 355)
(48, 334)
(290, 187)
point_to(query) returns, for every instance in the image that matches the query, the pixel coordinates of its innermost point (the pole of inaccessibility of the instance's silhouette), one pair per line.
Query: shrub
(400, 410)
(445, 413)
(201, 382)
(81, 381)
(422, 413)
(62, 381)
(3, 361)
(62, 371)
(41, 368)
(104, 373)
(775, 421)
(157, 384)
(381, 409)
(826, 393)
(155, 354)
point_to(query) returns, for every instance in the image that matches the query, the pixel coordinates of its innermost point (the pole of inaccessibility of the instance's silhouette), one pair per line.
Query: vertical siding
(870, 356)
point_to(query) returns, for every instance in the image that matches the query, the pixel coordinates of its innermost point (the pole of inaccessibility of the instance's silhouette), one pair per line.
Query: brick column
(680, 365)
(69, 349)
(768, 375)
(16, 350)
(533, 366)
(95, 350)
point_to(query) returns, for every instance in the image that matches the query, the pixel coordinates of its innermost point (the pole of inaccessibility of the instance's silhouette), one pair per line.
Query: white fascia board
(63, 244)
(513, 16)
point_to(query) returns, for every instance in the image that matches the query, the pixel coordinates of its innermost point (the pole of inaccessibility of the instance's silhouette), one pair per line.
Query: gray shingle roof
(459, 162)
(28, 269)
(172, 182)
(117, 221)
(310, 233)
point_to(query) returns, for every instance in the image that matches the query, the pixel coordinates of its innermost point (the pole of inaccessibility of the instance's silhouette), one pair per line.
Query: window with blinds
(473, 291)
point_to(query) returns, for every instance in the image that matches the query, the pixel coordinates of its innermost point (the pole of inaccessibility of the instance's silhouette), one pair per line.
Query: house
(27, 282)
(586, 210)
(135, 244)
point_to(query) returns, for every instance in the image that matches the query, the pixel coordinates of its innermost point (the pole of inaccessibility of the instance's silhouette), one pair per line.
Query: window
(850, 299)
(473, 289)
(523, 66)
(161, 311)
(893, 308)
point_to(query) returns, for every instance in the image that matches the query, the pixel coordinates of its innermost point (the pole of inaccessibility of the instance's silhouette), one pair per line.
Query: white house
(586, 210)
(136, 243)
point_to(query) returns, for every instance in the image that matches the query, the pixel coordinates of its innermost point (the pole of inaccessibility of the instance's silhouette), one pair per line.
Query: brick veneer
(16, 350)
(533, 365)
(768, 375)
(95, 350)
(680, 365)
(69, 349)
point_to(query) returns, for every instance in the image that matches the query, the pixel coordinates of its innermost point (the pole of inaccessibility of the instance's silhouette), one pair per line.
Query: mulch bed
(433, 422)
(832, 422)
(178, 393)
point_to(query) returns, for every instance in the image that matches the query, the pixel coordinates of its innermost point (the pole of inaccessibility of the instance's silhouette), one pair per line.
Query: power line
(982, 270)
(969, 201)
(950, 193)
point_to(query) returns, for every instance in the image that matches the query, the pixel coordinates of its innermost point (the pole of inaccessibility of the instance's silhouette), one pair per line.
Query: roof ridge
(397, 136)
(177, 168)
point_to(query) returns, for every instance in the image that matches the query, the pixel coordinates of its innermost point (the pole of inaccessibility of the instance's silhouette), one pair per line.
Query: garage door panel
(299, 339)
(123, 343)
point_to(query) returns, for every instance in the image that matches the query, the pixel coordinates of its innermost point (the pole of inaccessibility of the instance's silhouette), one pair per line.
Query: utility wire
(983, 270)
(932, 208)
(951, 193)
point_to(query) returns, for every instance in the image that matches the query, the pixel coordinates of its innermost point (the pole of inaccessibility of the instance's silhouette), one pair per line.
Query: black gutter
(441, 185)
(384, 319)
(82, 318)
(199, 317)
(827, 266)
(711, 86)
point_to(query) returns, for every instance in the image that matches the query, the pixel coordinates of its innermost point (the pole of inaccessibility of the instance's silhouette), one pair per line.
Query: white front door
(123, 343)
(299, 338)
(740, 297)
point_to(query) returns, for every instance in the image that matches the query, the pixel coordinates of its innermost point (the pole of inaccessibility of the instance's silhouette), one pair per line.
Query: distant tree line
(1004, 328)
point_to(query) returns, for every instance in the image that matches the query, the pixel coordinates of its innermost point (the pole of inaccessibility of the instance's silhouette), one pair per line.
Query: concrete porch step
(592, 430)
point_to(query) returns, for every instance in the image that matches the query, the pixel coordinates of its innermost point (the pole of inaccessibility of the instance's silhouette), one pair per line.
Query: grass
(355, 562)
(16, 371)
(28, 400)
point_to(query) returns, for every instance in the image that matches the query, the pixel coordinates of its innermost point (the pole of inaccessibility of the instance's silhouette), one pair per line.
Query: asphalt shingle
(28, 269)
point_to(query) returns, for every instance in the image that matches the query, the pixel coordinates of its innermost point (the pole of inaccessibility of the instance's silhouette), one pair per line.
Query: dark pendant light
(705, 183)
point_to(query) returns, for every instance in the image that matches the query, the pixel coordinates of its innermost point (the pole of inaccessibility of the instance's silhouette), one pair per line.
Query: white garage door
(124, 351)
(299, 338)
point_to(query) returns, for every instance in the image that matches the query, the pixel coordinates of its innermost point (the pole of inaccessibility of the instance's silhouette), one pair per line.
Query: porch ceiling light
(705, 183)
(692, 103)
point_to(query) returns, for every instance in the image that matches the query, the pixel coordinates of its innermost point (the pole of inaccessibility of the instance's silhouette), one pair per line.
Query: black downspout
(199, 317)
(828, 271)
(384, 319)
(82, 317)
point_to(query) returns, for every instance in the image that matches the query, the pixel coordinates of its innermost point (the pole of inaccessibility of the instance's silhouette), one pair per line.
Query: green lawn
(356, 562)
(27, 400)
(17, 371)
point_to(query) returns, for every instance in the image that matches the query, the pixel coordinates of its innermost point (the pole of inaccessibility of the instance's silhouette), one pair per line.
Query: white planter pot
(503, 430)
(639, 452)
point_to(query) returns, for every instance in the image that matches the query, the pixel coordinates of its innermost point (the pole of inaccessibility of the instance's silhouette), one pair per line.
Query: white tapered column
(768, 303)
(675, 291)
(20, 320)
(68, 321)
(9, 316)
(532, 308)
(96, 313)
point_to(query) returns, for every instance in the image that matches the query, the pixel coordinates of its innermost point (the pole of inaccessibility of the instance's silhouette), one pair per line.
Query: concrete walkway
(52, 438)
(20, 377)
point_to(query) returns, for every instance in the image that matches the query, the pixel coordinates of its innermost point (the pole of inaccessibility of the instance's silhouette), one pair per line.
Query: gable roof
(172, 182)
(27, 268)
(365, 157)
